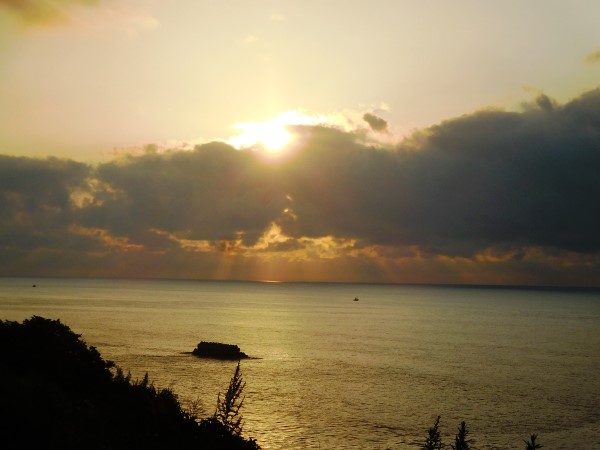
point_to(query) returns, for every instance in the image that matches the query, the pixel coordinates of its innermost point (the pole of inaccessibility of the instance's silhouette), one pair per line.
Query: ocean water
(331, 373)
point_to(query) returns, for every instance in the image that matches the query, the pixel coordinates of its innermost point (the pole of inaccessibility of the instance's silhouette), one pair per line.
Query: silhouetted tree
(531, 444)
(228, 407)
(460, 440)
(434, 440)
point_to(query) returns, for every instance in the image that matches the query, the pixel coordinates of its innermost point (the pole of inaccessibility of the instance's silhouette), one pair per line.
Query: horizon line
(374, 283)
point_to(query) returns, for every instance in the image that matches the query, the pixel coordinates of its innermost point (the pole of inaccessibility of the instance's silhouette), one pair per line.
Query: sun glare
(272, 135)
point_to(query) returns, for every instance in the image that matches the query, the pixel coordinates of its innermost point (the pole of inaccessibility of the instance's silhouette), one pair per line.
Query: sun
(272, 135)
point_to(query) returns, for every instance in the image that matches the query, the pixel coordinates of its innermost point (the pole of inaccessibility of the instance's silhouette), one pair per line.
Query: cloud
(545, 103)
(211, 193)
(376, 123)
(38, 203)
(593, 57)
(490, 178)
(492, 196)
(43, 11)
(275, 17)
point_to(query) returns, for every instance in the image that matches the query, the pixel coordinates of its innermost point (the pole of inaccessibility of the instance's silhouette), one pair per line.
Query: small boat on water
(355, 299)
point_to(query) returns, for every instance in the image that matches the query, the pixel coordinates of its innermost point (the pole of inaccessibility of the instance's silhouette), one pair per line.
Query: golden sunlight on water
(331, 373)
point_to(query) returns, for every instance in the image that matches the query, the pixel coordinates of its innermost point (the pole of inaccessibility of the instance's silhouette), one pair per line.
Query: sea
(329, 372)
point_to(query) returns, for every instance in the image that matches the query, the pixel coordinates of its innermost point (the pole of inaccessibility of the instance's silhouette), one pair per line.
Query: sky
(353, 141)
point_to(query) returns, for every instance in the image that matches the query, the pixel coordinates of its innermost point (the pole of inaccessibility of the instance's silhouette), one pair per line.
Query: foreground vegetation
(433, 441)
(58, 393)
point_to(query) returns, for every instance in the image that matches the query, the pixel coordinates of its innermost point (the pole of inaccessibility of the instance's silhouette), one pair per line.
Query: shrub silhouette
(228, 407)
(531, 444)
(58, 393)
(460, 440)
(434, 440)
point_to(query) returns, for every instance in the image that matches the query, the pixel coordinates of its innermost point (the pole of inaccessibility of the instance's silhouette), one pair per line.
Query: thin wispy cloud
(86, 17)
(36, 12)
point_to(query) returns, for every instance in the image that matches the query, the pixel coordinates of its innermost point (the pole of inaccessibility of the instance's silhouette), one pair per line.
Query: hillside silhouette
(59, 393)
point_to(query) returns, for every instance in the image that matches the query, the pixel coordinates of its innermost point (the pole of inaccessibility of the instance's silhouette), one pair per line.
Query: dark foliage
(532, 444)
(228, 407)
(434, 440)
(218, 436)
(460, 440)
(58, 393)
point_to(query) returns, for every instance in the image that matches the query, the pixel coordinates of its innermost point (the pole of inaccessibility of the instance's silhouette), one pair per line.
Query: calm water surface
(338, 374)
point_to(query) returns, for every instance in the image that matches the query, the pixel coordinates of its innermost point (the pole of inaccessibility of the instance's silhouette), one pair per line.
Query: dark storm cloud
(489, 178)
(545, 103)
(376, 123)
(36, 202)
(212, 193)
(41, 11)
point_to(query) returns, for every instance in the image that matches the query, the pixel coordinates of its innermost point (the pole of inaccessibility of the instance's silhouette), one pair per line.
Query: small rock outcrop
(218, 351)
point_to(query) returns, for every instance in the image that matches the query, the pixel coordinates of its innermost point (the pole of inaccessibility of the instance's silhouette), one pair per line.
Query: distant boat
(355, 299)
